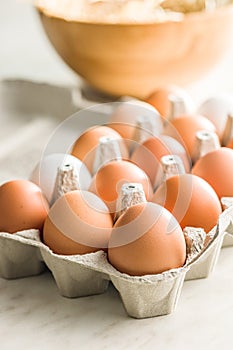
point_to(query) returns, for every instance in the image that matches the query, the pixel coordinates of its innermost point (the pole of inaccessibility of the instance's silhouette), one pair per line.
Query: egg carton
(227, 202)
(23, 254)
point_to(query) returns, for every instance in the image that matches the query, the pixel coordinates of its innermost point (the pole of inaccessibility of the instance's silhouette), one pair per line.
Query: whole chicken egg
(191, 200)
(108, 181)
(86, 145)
(216, 168)
(230, 144)
(45, 173)
(78, 223)
(148, 155)
(185, 127)
(145, 240)
(126, 115)
(161, 99)
(217, 109)
(22, 206)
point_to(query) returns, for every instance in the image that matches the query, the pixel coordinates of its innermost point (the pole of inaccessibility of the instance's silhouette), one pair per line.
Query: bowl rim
(191, 16)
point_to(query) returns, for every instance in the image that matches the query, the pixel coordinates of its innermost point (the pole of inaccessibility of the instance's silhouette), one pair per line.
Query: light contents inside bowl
(126, 11)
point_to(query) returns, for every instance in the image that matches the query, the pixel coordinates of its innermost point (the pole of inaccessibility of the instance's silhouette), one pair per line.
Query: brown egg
(109, 179)
(216, 168)
(191, 200)
(160, 100)
(22, 206)
(148, 155)
(145, 240)
(230, 144)
(126, 130)
(78, 223)
(86, 145)
(185, 127)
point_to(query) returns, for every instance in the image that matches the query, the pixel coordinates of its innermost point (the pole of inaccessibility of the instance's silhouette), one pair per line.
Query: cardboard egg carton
(23, 254)
(227, 202)
(221, 236)
(20, 254)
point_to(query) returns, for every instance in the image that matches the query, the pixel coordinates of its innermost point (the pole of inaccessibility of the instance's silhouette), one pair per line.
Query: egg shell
(124, 118)
(217, 109)
(148, 155)
(184, 129)
(45, 173)
(78, 223)
(216, 168)
(230, 144)
(145, 240)
(22, 206)
(108, 181)
(85, 146)
(160, 99)
(191, 200)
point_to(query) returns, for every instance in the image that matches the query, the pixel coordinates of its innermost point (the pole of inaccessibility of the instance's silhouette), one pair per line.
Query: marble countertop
(34, 316)
(32, 313)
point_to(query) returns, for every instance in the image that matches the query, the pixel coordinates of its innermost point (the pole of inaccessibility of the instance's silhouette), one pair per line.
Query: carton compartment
(205, 265)
(19, 257)
(23, 254)
(143, 300)
(73, 277)
(227, 202)
(227, 241)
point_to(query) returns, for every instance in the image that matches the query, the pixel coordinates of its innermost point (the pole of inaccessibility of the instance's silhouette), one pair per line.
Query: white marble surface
(32, 314)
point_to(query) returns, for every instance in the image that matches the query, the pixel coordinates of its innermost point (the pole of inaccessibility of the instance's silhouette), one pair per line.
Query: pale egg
(145, 240)
(127, 115)
(217, 109)
(46, 172)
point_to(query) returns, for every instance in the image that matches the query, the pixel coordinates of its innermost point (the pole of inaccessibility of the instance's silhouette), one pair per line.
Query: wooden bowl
(134, 59)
